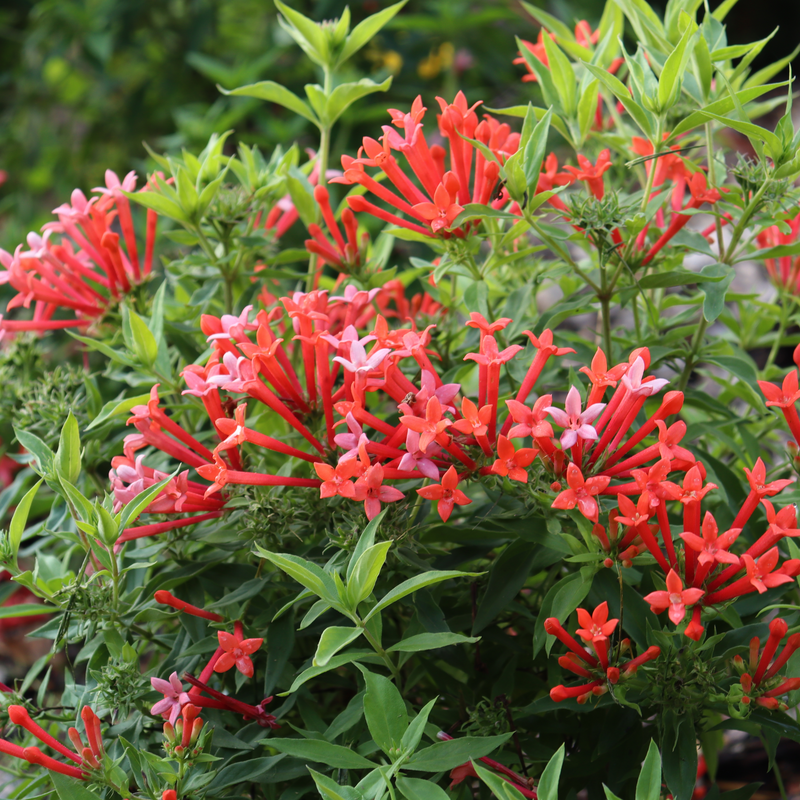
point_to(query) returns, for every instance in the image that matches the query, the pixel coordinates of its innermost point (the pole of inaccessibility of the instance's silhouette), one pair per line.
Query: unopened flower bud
(608, 563)
(169, 732)
(197, 726)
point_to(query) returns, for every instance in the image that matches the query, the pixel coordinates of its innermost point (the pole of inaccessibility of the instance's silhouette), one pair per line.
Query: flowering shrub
(417, 508)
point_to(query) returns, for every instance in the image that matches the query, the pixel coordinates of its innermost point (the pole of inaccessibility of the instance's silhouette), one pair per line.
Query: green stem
(712, 182)
(778, 336)
(387, 659)
(227, 283)
(691, 358)
(648, 188)
(742, 223)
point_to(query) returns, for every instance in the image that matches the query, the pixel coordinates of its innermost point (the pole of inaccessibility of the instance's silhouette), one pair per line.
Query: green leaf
(135, 507)
(353, 656)
(430, 641)
(548, 783)
(116, 408)
(679, 754)
(68, 455)
(620, 91)
(418, 789)
(365, 573)
(563, 76)
(507, 576)
(70, 789)
(678, 277)
(549, 22)
(671, 79)
(500, 788)
(144, 343)
(648, 787)
(274, 93)
(365, 541)
(385, 712)
(448, 755)
(307, 33)
(320, 751)
(714, 302)
(722, 106)
(333, 639)
(305, 573)
(365, 30)
(344, 95)
(750, 130)
(413, 734)
(37, 448)
(25, 610)
(17, 525)
(330, 790)
(159, 203)
(413, 584)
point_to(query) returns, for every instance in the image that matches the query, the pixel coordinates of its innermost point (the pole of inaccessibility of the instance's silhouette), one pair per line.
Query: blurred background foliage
(84, 82)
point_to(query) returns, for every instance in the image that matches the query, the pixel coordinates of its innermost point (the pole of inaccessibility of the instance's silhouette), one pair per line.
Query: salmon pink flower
(441, 213)
(336, 480)
(446, 494)
(596, 627)
(530, 421)
(513, 463)
(581, 493)
(675, 598)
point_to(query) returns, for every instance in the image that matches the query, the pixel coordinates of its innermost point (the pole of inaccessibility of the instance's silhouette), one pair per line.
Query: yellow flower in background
(439, 59)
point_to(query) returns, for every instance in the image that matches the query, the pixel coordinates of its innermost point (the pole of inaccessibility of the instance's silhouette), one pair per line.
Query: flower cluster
(88, 270)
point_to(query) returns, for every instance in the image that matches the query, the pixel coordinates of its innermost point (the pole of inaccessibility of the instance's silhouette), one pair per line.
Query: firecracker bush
(488, 489)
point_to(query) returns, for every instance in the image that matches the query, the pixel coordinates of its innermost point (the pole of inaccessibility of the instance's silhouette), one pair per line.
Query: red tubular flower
(554, 628)
(165, 598)
(446, 494)
(227, 703)
(785, 399)
(592, 173)
(560, 693)
(712, 548)
(237, 651)
(700, 194)
(777, 630)
(35, 756)
(444, 192)
(19, 716)
(87, 272)
(675, 598)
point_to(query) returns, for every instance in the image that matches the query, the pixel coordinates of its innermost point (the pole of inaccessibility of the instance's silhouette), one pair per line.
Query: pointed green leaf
(17, 525)
(417, 582)
(344, 95)
(448, 755)
(648, 787)
(275, 93)
(320, 751)
(548, 783)
(333, 640)
(365, 573)
(68, 455)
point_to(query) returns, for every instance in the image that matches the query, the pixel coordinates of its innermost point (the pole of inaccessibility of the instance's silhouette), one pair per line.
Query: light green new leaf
(333, 640)
(158, 203)
(330, 790)
(548, 783)
(344, 95)
(307, 33)
(648, 787)
(17, 525)
(620, 91)
(501, 789)
(365, 573)
(115, 408)
(549, 22)
(413, 734)
(365, 30)
(563, 76)
(144, 343)
(68, 455)
(365, 541)
(413, 584)
(135, 507)
(669, 84)
(304, 572)
(274, 93)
